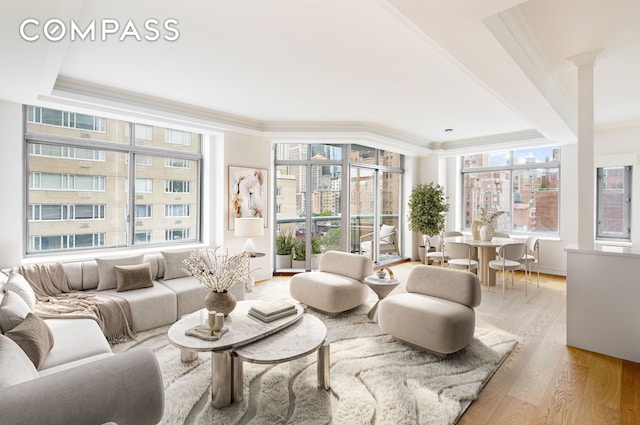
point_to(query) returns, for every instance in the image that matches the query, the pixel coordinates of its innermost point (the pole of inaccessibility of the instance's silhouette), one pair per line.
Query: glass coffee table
(249, 339)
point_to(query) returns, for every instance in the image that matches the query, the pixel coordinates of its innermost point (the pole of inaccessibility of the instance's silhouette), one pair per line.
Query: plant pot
(486, 232)
(283, 261)
(315, 261)
(298, 264)
(222, 302)
(421, 253)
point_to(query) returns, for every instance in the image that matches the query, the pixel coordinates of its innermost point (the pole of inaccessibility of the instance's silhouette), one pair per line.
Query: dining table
(486, 252)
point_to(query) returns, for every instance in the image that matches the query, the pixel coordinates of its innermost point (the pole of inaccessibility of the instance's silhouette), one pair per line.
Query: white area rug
(374, 379)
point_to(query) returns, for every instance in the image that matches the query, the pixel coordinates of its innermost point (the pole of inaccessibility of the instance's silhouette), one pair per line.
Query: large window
(614, 203)
(523, 183)
(81, 170)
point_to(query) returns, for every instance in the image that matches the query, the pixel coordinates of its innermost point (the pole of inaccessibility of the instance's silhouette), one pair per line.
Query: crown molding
(513, 140)
(109, 101)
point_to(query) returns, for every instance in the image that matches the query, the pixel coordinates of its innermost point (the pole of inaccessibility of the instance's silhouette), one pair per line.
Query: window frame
(627, 178)
(510, 167)
(70, 143)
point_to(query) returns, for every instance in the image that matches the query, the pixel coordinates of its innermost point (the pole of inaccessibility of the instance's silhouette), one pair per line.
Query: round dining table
(486, 253)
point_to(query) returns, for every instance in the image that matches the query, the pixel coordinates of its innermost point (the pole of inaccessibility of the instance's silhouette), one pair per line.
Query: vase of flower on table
(487, 218)
(218, 273)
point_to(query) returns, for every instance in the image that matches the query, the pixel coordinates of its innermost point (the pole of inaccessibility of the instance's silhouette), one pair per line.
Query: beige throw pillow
(34, 337)
(173, 263)
(106, 273)
(133, 277)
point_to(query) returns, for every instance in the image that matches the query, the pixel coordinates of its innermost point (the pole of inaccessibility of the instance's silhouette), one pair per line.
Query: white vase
(486, 232)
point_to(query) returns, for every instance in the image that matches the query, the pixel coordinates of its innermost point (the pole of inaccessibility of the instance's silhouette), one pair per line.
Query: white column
(586, 170)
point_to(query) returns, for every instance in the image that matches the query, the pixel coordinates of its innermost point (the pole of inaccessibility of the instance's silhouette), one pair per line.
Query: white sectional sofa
(80, 381)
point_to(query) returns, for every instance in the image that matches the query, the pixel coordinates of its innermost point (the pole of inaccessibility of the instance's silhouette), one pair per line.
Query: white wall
(255, 152)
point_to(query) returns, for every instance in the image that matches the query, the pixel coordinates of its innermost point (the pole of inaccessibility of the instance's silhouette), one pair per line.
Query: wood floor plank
(630, 393)
(543, 381)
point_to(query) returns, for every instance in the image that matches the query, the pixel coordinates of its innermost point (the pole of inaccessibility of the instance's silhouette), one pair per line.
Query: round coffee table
(249, 339)
(382, 288)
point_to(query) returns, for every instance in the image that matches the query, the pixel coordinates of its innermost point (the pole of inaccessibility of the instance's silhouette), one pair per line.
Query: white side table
(382, 288)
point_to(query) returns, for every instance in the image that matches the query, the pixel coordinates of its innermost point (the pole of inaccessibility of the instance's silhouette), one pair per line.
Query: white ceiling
(399, 69)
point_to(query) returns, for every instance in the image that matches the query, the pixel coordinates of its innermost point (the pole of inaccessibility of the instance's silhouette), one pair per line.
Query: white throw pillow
(18, 284)
(386, 233)
(13, 310)
(106, 273)
(15, 366)
(173, 263)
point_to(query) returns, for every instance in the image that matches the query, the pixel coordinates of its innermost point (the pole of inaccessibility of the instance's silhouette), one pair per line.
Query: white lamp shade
(249, 226)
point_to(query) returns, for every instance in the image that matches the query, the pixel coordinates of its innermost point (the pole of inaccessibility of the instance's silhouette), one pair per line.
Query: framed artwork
(247, 193)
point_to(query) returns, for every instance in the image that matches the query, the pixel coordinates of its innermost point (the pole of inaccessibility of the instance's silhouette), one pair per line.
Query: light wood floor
(543, 381)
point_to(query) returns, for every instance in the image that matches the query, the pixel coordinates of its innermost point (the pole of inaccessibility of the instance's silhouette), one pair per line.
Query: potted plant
(284, 249)
(427, 208)
(316, 251)
(299, 254)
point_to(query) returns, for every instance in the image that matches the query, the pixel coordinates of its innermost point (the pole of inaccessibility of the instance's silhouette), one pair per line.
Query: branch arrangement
(487, 217)
(217, 272)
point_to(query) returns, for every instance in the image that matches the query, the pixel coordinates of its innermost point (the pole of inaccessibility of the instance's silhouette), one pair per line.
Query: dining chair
(459, 255)
(510, 256)
(532, 256)
(438, 256)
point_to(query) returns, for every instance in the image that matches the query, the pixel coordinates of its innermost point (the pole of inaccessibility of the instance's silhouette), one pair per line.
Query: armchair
(388, 241)
(437, 311)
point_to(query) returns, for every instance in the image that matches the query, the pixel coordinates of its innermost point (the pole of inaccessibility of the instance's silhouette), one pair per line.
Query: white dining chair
(459, 255)
(510, 256)
(532, 256)
(438, 256)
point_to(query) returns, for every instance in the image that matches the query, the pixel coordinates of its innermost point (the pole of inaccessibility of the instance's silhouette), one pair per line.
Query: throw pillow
(34, 337)
(133, 277)
(173, 263)
(106, 274)
(386, 233)
(18, 284)
(15, 366)
(13, 310)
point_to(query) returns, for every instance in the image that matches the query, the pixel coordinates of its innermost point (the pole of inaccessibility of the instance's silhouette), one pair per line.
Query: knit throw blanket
(56, 300)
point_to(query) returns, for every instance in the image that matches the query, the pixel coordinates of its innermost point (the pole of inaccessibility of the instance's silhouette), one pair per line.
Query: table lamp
(249, 227)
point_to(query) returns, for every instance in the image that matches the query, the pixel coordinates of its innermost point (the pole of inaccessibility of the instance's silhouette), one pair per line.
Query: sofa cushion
(18, 284)
(106, 274)
(34, 337)
(151, 307)
(133, 277)
(13, 310)
(75, 339)
(173, 263)
(73, 271)
(15, 366)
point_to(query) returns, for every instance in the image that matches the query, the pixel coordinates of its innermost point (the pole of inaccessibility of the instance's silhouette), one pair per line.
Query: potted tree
(316, 251)
(427, 208)
(284, 249)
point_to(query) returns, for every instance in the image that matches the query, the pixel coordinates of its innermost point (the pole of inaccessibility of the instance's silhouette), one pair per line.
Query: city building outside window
(79, 169)
(524, 183)
(613, 220)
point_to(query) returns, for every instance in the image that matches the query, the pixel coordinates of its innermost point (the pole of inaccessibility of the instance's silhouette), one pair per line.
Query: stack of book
(268, 311)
